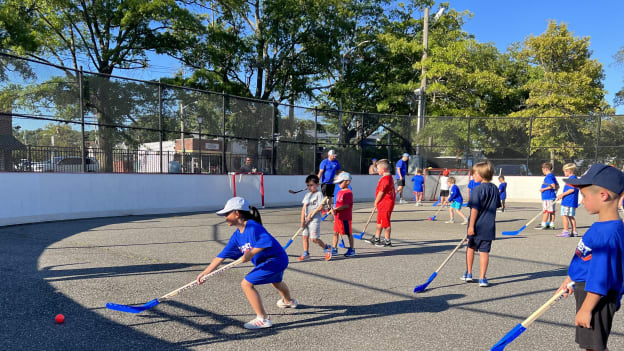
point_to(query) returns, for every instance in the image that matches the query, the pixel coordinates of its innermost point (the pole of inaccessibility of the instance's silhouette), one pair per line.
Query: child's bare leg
(283, 290)
(565, 222)
(552, 218)
(469, 259)
(306, 243)
(387, 233)
(545, 217)
(451, 213)
(254, 298)
(350, 240)
(484, 259)
(573, 222)
(460, 214)
(335, 241)
(319, 242)
(378, 230)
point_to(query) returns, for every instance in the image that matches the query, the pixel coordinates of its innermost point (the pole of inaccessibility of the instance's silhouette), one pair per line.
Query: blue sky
(505, 21)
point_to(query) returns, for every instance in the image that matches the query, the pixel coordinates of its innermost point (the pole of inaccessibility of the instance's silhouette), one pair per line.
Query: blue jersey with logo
(599, 259)
(254, 236)
(549, 194)
(572, 199)
(402, 166)
(418, 183)
(472, 184)
(329, 170)
(486, 200)
(455, 195)
(502, 190)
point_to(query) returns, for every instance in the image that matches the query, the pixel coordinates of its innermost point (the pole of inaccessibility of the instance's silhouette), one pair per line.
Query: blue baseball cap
(406, 155)
(602, 175)
(374, 159)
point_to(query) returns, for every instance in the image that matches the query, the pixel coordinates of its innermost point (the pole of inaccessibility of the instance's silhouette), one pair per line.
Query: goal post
(249, 185)
(432, 182)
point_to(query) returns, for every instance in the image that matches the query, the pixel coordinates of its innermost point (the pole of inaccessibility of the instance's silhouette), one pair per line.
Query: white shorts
(548, 206)
(568, 211)
(313, 230)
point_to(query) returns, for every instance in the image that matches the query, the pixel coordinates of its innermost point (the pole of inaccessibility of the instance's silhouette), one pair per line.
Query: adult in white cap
(252, 242)
(401, 171)
(327, 172)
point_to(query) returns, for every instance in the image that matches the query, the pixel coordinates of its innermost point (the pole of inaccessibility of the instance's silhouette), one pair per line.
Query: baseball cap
(406, 155)
(234, 204)
(374, 159)
(332, 152)
(446, 172)
(342, 177)
(602, 175)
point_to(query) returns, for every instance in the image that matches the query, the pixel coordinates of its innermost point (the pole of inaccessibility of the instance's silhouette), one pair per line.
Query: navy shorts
(478, 244)
(400, 182)
(602, 319)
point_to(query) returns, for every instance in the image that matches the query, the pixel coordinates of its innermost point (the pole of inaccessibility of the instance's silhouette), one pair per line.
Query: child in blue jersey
(418, 188)
(255, 244)
(597, 267)
(472, 184)
(455, 200)
(502, 191)
(569, 203)
(483, 202)
(549, 194)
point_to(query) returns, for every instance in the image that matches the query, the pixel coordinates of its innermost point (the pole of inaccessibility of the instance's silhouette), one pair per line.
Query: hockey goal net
(432, 182)
(249, 186)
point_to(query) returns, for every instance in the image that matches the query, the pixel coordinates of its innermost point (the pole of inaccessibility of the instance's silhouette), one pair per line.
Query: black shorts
(444, 193)
(328, 189)
(602, 319)
(478, 244)
(400, 182)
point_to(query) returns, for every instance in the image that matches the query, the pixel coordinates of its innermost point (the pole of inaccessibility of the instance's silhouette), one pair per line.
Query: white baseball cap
(332, 153)
(342, 177)
(234, 204)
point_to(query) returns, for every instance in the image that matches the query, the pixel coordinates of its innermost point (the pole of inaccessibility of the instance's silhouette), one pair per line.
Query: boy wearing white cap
(343, 213)
(252, 241)
(401, 171)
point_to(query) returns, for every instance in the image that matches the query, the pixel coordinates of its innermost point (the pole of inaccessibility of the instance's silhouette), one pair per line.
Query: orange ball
(59, 318)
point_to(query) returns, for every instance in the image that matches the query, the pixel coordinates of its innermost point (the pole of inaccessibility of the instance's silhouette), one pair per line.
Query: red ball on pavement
(59, 318)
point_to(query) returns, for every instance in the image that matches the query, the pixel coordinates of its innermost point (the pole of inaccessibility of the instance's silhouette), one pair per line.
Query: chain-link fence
(55, 119)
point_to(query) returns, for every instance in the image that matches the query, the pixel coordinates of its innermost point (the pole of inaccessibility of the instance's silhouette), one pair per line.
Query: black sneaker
(387, 243)
(373, 240)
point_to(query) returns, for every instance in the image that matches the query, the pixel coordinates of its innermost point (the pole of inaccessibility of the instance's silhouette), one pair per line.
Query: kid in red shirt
(384, 202)
(343, 213)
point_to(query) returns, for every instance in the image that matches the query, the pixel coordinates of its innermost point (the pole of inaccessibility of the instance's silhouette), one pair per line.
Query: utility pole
(423, 73)
(182, 132)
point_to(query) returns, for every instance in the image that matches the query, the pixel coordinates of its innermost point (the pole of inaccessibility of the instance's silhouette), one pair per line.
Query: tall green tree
(619, 60)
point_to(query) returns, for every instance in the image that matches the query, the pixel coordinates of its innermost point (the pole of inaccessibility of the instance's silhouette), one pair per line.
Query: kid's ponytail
(253, 213)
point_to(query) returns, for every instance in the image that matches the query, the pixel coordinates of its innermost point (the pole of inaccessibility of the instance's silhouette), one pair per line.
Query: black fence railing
(57, 119)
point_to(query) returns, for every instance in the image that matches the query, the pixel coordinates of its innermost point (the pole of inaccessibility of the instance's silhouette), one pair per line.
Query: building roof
(9, 142)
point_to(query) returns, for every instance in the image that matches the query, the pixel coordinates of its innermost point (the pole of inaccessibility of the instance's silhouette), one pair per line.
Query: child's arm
(211, 267)
(303, 211)
(249, 254)
(378, 198)
(473, 220)
(584, 315)
(343, 207)
(562, 195)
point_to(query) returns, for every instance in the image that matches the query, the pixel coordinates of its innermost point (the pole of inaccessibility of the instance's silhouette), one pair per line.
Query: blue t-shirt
(254, 236)
(598, 259)
(502, 190)
(572, 199)
(329, 170)
(418, 183)
(472, 184)
(549, 194)
(455, 194)
(486, 200)
(402, 166)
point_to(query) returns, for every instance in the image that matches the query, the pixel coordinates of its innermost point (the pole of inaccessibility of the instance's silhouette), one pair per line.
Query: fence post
(160, 127)
(598, 124)
(82, 122)
(362, 167)
(315, 137)
(468, 151)
(530, 140)
(223, 170)
(273, 145)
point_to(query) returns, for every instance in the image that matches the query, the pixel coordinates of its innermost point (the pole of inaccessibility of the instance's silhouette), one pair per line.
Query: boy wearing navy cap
(597, 266)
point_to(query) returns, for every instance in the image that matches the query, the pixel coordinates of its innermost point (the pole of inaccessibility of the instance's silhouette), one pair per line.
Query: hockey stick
(295, 192)
(422, 287)
(150, 304)
(359, 237)
(516, 232)
(290, 241)
(520, 328)
(436, 214)
(436, 203)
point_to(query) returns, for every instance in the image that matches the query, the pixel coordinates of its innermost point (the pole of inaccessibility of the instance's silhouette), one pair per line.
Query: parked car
(23, 165)
(67, 164)
(511, 170)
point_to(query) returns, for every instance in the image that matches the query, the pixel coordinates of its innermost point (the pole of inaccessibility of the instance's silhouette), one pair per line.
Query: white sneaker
(258, 323)
(450, 222)
(402, 201)
(465, 222)
(293, 303)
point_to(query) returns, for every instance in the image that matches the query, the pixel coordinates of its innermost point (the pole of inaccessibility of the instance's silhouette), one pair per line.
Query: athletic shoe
(465, 222)
(564, 234)
(483, 283)
(373, 240)
(450, 221)
(541, 227)
(551, 227)
(350, 252)
(499, 211)
(258, 323)
(467, 277)
(574, 233)
(402, 201)
(328, 252)
(334, 251)
(292, 304)
(387, 243)
(304, 257)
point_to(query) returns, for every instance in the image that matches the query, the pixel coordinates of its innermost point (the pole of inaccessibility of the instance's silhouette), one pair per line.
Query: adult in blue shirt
(401, 171)
(327, 172)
